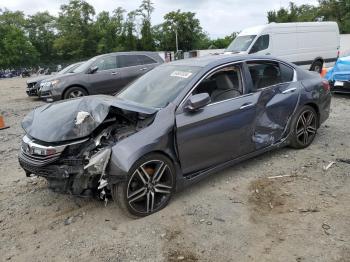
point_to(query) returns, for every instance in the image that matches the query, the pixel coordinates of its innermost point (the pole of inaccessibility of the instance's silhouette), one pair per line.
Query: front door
(221, 130)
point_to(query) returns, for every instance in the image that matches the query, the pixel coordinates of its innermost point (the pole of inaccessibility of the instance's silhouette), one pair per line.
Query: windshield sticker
(181, 74)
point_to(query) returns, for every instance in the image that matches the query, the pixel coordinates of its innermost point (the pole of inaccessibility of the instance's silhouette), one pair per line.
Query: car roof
(213, 60)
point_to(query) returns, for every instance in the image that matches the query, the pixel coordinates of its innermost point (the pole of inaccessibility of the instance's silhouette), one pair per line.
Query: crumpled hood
(74, 118)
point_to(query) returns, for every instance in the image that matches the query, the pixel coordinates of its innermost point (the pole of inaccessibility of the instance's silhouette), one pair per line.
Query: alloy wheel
(306, 127)
(76, 93)
(149, 187)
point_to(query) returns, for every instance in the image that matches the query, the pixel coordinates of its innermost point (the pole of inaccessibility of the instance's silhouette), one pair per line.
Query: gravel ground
(236, 215)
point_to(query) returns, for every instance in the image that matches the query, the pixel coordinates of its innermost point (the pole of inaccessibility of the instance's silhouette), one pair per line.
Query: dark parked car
(172, 127)
(104, 74)
(33, 84)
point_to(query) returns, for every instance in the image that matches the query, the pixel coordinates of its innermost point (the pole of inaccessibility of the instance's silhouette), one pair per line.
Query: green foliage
(336, 10)
(222, 42)
(188, 28)
(328, 10)
(41, 31)
(15, 48)
(147, 40)
(77, 38)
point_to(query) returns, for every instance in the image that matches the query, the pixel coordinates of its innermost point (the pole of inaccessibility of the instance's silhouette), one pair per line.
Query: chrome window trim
(155, 62)
(295, 79)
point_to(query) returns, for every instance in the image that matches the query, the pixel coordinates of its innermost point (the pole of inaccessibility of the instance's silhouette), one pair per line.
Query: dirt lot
(237, 215)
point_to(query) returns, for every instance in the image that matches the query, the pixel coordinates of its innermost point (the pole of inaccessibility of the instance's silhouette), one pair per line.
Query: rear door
(133, 66)
(107, 78)
(278, 91)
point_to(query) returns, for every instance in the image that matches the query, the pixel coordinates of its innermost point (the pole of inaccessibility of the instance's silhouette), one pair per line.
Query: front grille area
(37, 160)
(30, 85)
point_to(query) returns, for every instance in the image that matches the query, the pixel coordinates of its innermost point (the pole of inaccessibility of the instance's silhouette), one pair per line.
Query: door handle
(114, 73)
(289, 90)
(143, 69)
(246, 105)
(268, 54)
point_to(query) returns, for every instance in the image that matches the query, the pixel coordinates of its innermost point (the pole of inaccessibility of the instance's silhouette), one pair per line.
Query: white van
(309, 45)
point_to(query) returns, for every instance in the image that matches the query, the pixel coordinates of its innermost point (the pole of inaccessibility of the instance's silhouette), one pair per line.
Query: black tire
(304, 128)
(74, 92)
(152, 177)
(317, 66)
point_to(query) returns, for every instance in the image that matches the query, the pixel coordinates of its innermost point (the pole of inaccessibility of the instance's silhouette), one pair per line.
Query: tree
(109, 29)
(336, 10)
(189, 31)
(293, 13)
(328, 10)
(223, 42)
(41, 31)
(77, 37)
(128, 37)
(15, 48)
(145, 10)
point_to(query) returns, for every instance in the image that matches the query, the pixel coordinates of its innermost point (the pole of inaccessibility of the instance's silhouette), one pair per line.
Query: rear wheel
(304, 128)
(317, 66)
(148, 188)
(74, 92)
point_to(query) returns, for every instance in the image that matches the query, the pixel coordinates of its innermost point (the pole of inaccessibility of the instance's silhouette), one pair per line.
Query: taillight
(326, 86)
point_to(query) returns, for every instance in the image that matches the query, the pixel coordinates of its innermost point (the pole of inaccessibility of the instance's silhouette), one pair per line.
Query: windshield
(160, 86)
(241, 43)
(69, 69)
(84, 66)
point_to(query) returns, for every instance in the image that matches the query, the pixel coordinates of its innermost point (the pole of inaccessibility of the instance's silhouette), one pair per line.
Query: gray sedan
(172, 127)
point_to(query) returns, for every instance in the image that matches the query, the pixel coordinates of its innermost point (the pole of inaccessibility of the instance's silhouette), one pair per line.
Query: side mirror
(198, 101)
(92, 70)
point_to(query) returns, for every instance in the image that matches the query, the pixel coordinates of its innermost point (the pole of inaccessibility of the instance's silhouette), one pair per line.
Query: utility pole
(177, 44)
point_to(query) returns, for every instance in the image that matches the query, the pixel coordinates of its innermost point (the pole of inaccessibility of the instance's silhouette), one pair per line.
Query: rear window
(145, 60)
(127, 60)
(269, 73)
(287, 73)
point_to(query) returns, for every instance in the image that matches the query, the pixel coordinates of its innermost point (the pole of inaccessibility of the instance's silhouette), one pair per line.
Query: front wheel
(74, 92)
(304, 128)
(148, 188)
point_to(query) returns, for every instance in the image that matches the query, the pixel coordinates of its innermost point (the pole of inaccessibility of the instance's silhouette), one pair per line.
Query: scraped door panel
(215, 134)
(274, 110)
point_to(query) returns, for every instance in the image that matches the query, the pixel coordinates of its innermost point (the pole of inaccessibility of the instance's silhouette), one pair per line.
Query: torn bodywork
(72, 150)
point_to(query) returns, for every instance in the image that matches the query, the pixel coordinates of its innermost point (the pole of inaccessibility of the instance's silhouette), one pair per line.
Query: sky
(218, 18)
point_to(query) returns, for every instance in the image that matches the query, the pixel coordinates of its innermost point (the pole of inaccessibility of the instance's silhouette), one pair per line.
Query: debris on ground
(325, 168)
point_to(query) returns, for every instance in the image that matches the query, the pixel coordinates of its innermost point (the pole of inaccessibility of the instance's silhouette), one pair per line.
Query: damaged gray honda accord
(173, 126)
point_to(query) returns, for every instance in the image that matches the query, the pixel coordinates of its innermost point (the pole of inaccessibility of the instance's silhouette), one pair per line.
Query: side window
(287, 73)
(145, 60)
(264, 73)
(226, 83)
(127, 60)
(260, 44)
(106, 63)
